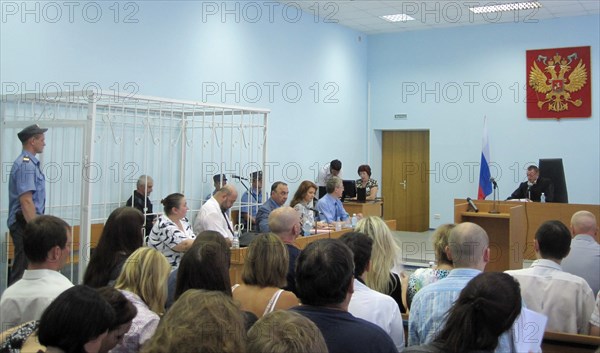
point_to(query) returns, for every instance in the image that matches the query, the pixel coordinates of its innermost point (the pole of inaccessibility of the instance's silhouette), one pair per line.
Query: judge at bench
(533, 188)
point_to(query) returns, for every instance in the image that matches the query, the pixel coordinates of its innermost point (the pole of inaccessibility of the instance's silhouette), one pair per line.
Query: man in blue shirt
(26, 193)
(253, 197)
(279, 195)
(468, 249)
(584, 258)
(329, 206)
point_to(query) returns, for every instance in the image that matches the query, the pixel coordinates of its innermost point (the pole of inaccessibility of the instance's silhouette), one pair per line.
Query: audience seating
(558, 342)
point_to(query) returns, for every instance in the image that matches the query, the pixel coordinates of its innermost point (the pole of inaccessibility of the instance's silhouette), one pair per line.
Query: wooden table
(238, 256)
(369, 208)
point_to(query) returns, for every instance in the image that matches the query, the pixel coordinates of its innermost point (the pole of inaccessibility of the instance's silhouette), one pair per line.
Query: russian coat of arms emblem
(558, 83)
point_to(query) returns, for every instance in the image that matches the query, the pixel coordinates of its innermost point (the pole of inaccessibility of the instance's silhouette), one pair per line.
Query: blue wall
(186, 50)
(182, 49)
(428, 75)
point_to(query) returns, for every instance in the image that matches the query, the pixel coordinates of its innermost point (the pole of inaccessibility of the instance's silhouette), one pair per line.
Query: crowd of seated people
(174, 294)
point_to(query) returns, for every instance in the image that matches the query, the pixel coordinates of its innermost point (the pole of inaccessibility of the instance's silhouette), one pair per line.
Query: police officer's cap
(256, 175)
(217, 178)
(30, 131)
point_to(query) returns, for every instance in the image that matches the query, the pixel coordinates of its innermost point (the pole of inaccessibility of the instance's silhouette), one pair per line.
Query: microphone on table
(494, 182)
(472, 204)
(238, 177)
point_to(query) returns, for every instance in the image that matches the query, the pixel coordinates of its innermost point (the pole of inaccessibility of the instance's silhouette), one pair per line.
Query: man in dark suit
(325, 284)
(140, 200)
(533, 188)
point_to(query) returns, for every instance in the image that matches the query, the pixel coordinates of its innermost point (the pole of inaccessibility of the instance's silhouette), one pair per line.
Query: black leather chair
(552, 168)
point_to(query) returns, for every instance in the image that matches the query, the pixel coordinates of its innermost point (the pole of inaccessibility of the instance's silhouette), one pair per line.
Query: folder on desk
(361, 194)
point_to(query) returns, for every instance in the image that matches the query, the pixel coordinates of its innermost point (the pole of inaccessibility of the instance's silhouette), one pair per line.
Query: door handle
(403, 184)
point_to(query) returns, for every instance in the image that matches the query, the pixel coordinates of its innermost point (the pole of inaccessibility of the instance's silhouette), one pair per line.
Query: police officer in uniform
(26, 193)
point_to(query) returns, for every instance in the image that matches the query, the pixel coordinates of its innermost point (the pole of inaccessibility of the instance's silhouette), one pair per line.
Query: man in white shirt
(331, 169)
(367, 303)
(567, 300)
(584, 258)
(46, 243)
(213, 214)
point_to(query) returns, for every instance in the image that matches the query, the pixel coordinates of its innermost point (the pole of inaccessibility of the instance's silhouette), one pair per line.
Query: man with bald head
(213, 214)
(468, 249)
(584, 258)
(285, 222)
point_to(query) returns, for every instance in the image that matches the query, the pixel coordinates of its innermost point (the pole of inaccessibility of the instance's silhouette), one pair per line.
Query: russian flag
(485, 185)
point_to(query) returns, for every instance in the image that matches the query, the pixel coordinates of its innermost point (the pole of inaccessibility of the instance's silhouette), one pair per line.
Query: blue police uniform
(25, 176)
(247, 199)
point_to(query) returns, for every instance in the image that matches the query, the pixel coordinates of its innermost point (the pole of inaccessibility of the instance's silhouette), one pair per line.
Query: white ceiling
(364, 15)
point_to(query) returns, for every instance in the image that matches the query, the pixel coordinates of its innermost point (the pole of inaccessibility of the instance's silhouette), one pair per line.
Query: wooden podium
(506, 230)
(368, 208)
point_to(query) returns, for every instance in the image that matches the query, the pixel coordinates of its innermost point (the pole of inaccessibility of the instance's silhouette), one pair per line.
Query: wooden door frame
(425, 221)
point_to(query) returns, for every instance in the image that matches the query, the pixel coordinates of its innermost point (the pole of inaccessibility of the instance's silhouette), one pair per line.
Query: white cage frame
(145, 134)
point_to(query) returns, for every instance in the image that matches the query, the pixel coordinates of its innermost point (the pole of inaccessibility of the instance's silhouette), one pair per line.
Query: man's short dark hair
(41, 235)
(324, 271)
(336, 165)
(361, 246)
(276, 184)
(554, 240)
(534, 168)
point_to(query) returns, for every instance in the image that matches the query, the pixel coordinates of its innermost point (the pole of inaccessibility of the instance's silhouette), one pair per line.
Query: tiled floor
(417, 250)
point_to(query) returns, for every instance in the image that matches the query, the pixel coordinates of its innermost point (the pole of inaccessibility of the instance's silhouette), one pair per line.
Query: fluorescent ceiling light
(506, 7)
(401, 17)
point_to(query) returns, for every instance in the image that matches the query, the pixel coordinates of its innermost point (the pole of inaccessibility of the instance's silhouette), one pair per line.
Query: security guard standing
(26, 193)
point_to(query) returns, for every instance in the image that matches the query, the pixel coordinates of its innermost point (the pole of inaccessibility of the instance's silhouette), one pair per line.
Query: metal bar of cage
(82, 109)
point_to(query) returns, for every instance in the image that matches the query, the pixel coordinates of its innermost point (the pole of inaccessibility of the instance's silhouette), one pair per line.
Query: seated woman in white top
(143, 281)
(303, 203)
(424, 276)
(264, 273)
(172, 234)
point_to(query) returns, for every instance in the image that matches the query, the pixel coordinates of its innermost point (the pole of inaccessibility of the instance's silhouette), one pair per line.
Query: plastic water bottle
(235, 243)
(338, 225)
(306, 227)
(543, 198)
(354, 220)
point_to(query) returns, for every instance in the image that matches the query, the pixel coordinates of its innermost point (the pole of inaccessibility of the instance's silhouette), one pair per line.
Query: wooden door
(405, 179)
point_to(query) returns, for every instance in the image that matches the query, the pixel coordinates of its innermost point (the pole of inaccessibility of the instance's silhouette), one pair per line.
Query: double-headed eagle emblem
(553, 81)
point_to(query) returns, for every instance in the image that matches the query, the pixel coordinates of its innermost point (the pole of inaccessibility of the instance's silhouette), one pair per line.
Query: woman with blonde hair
(264, 273)
(200, 321)
(143, 281)
(424, 276)
(386, 267)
